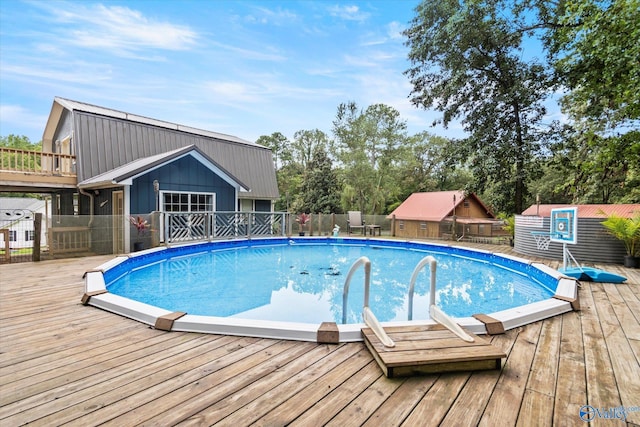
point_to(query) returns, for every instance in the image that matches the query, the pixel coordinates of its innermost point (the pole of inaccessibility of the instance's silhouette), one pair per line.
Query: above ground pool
(287, 287)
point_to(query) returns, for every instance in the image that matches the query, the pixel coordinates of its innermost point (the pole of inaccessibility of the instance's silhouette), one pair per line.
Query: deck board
(61, 362)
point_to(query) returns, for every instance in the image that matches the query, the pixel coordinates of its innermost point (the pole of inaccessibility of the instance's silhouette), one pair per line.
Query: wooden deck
(430, 349)
(64, 363)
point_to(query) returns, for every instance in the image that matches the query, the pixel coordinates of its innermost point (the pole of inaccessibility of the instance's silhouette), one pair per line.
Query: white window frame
(189, 202)
(162, 205)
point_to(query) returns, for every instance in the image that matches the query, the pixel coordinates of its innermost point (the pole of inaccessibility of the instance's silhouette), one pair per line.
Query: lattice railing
(193, 226)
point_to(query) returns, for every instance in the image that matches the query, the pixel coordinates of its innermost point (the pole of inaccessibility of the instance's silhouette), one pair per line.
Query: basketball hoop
(542, 240)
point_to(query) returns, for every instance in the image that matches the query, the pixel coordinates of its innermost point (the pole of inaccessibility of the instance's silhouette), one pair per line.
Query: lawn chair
(355, 221)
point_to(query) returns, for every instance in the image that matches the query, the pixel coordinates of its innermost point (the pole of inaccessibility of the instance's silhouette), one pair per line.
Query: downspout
(91, 198)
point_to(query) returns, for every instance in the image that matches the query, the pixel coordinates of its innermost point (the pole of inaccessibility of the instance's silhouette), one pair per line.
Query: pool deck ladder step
(430, 349)
(421, 349)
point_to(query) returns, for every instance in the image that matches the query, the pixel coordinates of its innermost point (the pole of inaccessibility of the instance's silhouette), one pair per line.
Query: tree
(20, 142)
(467, 63)
(367, 145)
(595, 48)
(320, 189)
(304, 144)
(279, 145)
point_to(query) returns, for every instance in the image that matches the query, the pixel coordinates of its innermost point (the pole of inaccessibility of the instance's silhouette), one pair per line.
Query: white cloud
(118, 29)
(349, 13)
(31, 123)
(263, 15)
(76, 73)
(394, 30)
(271, 54)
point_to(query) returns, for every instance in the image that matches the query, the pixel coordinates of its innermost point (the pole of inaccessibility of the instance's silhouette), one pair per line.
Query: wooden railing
(69, 239)
(37, 162)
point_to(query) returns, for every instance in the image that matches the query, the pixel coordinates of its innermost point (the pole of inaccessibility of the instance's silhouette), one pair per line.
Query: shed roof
(586, 211)
(433, 206)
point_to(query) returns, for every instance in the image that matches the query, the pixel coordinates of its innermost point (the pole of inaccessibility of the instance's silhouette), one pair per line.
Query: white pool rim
(97, 295)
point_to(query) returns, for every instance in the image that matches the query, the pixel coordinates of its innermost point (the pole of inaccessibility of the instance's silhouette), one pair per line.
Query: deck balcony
(36, 171)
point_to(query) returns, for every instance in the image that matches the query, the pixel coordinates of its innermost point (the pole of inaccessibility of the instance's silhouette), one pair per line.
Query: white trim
(127, 215)
(511, 318)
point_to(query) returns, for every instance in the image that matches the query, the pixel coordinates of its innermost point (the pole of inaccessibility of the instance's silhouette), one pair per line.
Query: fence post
(393, 226)
(37, 231)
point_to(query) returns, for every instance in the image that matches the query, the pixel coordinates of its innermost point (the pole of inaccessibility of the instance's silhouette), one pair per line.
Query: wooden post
(393, 226)
(37, 232)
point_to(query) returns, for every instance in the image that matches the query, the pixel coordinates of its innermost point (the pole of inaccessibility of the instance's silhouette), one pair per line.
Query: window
(401, 225)
(13, 235)
(188, 202)
(29, 235)
(423, 226)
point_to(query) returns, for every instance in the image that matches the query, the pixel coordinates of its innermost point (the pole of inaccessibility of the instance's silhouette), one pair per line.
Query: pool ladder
(435, 312)
(370, 319)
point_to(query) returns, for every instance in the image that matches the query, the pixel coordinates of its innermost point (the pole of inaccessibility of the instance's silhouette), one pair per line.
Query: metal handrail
(435, 313)
(367, 315)
(364, 261)
(432, 292)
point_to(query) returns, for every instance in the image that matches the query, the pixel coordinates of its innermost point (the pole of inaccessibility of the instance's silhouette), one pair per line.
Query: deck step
(429, 349)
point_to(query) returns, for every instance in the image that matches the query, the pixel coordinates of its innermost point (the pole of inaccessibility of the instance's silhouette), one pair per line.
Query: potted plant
(141, 225)
(509, 225)
(627, 230)
(302, 221)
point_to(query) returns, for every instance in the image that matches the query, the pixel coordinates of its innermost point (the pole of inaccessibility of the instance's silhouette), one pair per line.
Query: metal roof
(104, 139)
(129, 171)
(18, 208)
(103, 111)
(18, 203)
(586, 211)
(433, 206)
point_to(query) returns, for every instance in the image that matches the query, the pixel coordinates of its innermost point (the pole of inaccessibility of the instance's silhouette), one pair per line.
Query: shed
(594, 244)
(444, 214)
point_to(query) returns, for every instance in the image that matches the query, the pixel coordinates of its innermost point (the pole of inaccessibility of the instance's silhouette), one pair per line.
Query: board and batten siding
(594, 243)
(105, 143)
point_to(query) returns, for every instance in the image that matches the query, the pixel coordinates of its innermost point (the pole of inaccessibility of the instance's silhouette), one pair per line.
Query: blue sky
(245, 68)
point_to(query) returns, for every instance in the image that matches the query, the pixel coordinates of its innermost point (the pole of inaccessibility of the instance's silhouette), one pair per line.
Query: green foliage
(596, 47)
(627, 230)
(368, 144)
(279, 145)
(509, 223)
(320, 190)
(304, 144)
(18, 160)
(466, 61)
(19, 142)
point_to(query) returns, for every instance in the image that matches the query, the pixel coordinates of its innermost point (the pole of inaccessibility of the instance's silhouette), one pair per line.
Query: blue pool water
(302, 280)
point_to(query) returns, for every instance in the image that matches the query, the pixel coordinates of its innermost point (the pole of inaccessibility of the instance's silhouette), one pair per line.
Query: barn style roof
(434, 206)
(104, 139)
(125, 173)
(586, 211)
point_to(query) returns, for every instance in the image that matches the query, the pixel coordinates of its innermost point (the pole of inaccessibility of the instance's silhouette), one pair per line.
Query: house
(444, 215)
(17, 226)
(594, 243)
(99, 163)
